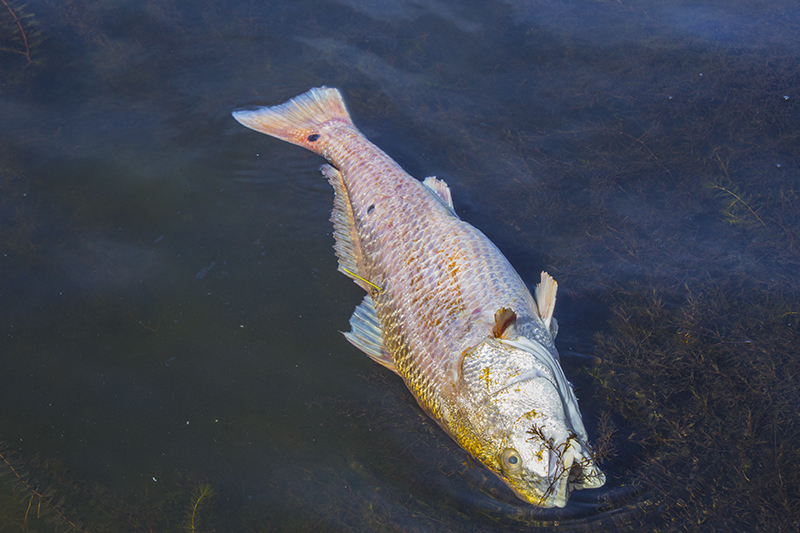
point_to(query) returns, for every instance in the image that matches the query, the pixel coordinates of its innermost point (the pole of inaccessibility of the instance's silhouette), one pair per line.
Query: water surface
(171, 355)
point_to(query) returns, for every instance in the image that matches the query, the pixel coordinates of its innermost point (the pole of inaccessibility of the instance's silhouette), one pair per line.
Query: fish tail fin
(299, 120)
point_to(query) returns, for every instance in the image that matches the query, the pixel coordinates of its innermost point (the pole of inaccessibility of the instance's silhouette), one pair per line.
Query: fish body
(444, 308)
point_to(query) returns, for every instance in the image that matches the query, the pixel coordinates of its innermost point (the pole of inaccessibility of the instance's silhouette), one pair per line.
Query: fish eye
(313, 137)
(511, 460)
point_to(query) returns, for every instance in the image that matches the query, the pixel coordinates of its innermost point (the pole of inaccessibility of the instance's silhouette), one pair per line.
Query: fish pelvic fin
(366, 334)
(504, 320)
(298, 121)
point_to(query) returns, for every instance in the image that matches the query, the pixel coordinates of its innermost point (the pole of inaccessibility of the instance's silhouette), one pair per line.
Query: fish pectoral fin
(348, 244)
(366, 334)
(504, 320)
(546, 301)
(441, 189)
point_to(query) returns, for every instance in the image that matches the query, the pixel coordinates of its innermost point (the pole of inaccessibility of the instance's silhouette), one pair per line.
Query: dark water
(171, 356)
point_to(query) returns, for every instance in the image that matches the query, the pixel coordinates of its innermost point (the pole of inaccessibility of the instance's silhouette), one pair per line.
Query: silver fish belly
(444, 308)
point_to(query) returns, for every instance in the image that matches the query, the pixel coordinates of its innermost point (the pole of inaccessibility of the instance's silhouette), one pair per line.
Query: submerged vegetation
(20, 42)
(707, 392)
(41, 496)
(18, 30)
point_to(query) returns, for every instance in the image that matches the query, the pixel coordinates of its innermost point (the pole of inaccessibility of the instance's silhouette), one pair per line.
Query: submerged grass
(40, 495)
(708, 391)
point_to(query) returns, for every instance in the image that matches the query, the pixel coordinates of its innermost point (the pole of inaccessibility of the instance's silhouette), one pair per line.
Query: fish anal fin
(347, 243)
(441, 189)
(366, 334)
(546, 301)
(504, 319)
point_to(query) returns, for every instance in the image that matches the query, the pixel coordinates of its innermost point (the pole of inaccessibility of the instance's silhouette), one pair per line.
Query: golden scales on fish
(444, 308)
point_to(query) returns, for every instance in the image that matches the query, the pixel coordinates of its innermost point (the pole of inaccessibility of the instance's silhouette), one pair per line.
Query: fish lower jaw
(592, 479)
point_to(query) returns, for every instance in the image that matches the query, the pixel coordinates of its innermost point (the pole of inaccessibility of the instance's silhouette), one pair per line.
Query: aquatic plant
(18, 30)
(41, 500)
(36, 494)
(708, 391)
(201, 496)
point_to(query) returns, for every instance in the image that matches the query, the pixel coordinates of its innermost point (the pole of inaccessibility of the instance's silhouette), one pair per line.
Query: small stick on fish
(362, 279)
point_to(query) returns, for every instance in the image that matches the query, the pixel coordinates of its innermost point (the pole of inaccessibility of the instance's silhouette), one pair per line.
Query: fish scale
(445, 310)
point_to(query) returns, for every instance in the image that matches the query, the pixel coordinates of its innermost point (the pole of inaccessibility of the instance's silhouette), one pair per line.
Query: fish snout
(561, 459)
(571, 467)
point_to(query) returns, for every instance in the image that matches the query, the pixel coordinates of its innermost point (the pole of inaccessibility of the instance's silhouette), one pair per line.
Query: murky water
(171, 356)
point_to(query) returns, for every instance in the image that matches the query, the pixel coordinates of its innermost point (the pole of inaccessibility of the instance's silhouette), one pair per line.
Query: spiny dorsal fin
(347, 246)
(441, 189)
(504, 319)
(366, 334)
(546, 299)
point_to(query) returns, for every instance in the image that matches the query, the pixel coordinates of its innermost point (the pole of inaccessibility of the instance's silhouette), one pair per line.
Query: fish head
(543, 460)
(527, 422)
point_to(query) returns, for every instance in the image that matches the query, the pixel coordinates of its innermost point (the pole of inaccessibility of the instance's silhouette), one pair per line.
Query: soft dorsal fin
(441, 189)
(504, 319)
(546, 301)
(366, 334)
(347, 246)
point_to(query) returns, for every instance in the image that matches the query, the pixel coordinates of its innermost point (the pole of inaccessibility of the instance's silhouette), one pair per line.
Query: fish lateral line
(362, 279)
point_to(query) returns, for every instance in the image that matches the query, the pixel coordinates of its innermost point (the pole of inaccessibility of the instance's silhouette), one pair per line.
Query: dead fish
(444, 308)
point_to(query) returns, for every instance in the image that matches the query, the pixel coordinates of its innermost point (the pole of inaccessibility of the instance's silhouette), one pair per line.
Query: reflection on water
(171, 309)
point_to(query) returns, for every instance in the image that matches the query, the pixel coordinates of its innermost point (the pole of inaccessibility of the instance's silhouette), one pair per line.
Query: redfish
(444, 308)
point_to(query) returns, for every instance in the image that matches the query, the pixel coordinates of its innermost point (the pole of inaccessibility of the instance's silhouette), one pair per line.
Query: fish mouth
(554, 488)
(570, 467)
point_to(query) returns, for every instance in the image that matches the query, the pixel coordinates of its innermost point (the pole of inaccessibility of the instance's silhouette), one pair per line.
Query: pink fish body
(445, 310)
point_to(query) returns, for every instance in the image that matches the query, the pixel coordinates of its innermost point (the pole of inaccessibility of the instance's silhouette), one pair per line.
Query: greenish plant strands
(43, 500)
(736, 205)
(201, 498)
(40, 496)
